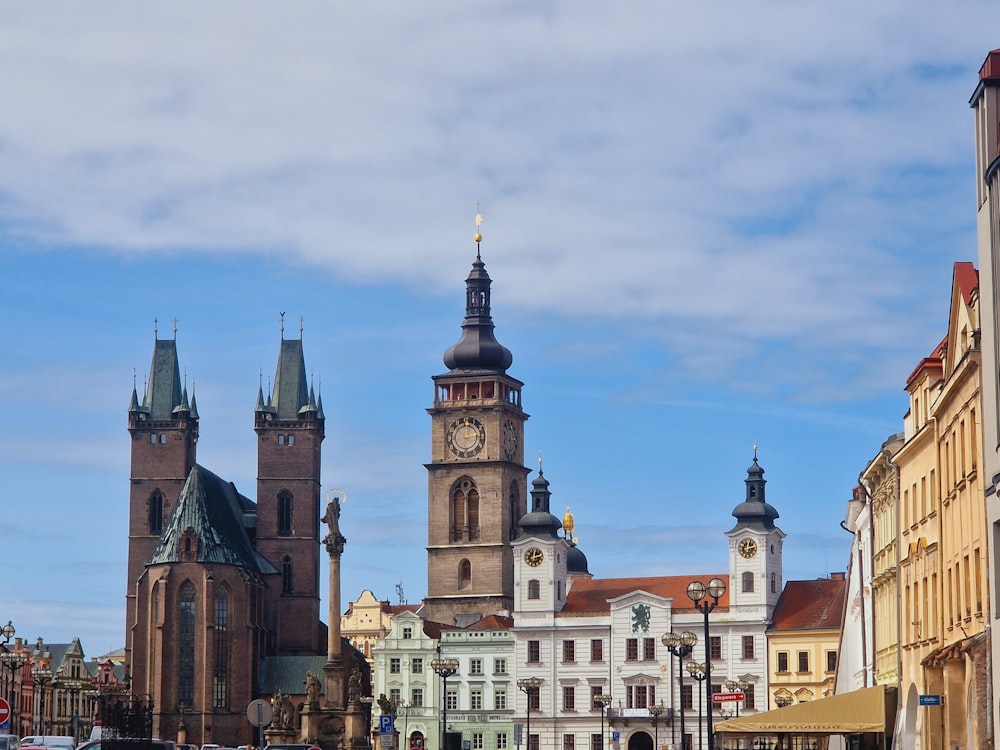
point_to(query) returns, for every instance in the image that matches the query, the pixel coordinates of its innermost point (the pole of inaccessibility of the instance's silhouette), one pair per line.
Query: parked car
(50, 741)
(9, 742)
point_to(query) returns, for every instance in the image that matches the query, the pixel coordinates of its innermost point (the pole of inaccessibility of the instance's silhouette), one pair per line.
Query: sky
(709, 226)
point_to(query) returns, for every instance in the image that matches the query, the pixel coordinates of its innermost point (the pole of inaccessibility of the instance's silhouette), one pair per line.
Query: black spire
(478, 348)
(539, 521)
(754, 512)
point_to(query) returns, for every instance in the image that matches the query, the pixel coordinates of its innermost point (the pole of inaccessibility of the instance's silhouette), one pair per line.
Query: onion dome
(478, 348)
(576, 561)
(754, 512)
(539, 521)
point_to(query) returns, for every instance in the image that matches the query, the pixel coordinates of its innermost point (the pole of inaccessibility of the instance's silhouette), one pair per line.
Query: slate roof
(214, 510)
(811, 605)
(288, 674)
(163, 389)
(589, 596)
(291, 393)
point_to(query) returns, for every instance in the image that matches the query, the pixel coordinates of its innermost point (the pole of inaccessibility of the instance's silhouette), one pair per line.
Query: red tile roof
(991, 67)
(592, 595)
(493, 622)
(967, 278)
(932, 362)
(811, 605)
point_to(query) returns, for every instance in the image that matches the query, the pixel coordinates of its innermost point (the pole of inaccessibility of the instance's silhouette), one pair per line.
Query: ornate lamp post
(528, 685)
(656, 712)
(737, 686)
(680, 645)
(602, 701)
(697, 671)
(12, 662)
(782, 700)
(445, 668)
(405, 738)
(41, 678)
(696, 592)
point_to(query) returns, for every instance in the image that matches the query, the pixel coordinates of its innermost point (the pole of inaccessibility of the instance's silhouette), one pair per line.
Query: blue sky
(708, 227)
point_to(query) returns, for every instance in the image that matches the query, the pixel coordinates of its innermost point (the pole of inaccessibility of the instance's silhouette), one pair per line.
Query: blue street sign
(385, 724)
(615, 736)
(930, 700)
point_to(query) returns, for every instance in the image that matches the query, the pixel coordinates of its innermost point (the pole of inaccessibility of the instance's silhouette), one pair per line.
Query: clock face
(509, 440)
(748, 548)
(534, 557)
(466, 437)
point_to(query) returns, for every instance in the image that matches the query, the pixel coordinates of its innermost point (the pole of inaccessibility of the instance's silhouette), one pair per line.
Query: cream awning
(866, 710)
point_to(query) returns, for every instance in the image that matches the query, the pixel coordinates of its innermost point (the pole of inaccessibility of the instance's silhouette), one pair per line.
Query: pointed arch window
(154, 513)
(473, 515)
(285, 501)
(465, 511)
(464, 574)
(220, 672)
(185, 651)
(748, 582)
(287, 584)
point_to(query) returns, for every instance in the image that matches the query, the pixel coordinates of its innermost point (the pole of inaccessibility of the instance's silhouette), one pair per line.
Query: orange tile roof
(593, 595)
(493, 622)
(811, 605)
(967, 278)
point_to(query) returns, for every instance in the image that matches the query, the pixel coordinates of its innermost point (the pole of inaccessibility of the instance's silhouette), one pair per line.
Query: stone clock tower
(476, 478)
(755, 551)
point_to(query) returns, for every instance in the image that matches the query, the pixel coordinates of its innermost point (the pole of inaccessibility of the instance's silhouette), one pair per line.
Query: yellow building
(368, 620)
(803, 640)
(942, 570)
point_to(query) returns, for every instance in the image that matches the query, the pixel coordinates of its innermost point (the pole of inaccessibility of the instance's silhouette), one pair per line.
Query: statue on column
(334, 540)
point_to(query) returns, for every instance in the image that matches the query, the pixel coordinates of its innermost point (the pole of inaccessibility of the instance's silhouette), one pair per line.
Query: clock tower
(476, 478)
(755, 551)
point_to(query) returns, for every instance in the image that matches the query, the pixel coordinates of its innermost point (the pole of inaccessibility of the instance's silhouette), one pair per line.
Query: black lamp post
(656, 712)
(697, 671)
(404, 743)
(445, 669)
(680, 645)
(602, 701)
(528, 685)
(41, 678)
(696, 592)
(740, 686)
(782, 700)
(12, 662)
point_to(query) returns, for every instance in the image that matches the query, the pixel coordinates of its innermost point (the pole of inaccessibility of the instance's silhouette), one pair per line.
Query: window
(782, 661)
(407, 633)
(569, 650)
(155, 513)
(417, 666)
(499, 666)
(416, 697)
(476, 699)
(687, 697)
(500, 699)
(291, 440)
(831, 661)
(152, 439)
(535, 700)
(163, 438)
(534, 589)
(774, 584)
(475, 666)
(394, 665)
(477, 741)
(649, 649)
(451, 700)
(533, 742)
(569, 741)
(185, 694)
(501, 741)
(220, 674)
(464, 574)
(595, 691)
(715, 646)
(287, 583)
(569, 698)
(632, 649)
(639, 696)
(534, 652)
(748, 647)
(394, 695)
(595, 741)
(748, 582)
(749, 701)
(803, 661)
(284, 512)
(596, 650)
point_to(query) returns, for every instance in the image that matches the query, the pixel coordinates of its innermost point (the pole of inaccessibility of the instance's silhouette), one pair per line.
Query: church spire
(754, 512)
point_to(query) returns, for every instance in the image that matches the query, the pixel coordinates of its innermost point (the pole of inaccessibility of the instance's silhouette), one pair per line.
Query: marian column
(334, 667)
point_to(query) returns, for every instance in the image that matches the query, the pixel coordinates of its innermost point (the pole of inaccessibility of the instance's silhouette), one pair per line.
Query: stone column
(334, 667)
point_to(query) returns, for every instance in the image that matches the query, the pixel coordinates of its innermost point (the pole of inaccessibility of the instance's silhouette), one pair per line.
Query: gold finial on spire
(755, 451)
(568, 523)
(539, 462)
(479, 222)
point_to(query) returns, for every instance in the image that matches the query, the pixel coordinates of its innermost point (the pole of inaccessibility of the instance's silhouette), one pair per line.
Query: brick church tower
(216, 582)
(476, 478)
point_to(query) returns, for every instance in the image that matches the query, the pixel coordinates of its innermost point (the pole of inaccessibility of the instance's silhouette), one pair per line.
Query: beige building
(803, 640)
(368, 620)
(985, 102)
(942, 569)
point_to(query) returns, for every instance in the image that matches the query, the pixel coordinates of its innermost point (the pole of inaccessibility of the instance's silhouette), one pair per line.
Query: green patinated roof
(163, 390)
(288, 674)
(215, 512)
(291, 392)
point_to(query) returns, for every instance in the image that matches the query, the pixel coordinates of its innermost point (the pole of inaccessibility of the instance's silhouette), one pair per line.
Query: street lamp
(656, 712)
(529, 685)
(445, 668)
(405, 705)
(7, 631)
(698, 672)
(782, 700)
(41, 678)
(734, 686)
(696, 592)
(680, 645)
(602, 701)
(12, 662)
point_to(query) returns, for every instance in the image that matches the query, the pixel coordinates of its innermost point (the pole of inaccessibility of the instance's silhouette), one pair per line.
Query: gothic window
(287, 586)
(457, 515)
(464, 574)
(748, 582)
(186, 635)
(285, 512)
(465, 511)
(220, 676)
(155, 513)
(534, 589)
(515, 510)
(473, 515)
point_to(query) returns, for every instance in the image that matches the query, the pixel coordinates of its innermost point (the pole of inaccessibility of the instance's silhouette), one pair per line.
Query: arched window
(287, 586)
(185, 651)
(534, 589)
(220, 673)
(464, 511)
(285, 512)
(748, 582)
(457, 515)
(473, 515)
(464, 574)
(155, 513)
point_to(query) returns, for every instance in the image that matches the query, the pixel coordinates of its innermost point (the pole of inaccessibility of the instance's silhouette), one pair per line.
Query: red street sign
(727, 697)
(4, 711)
